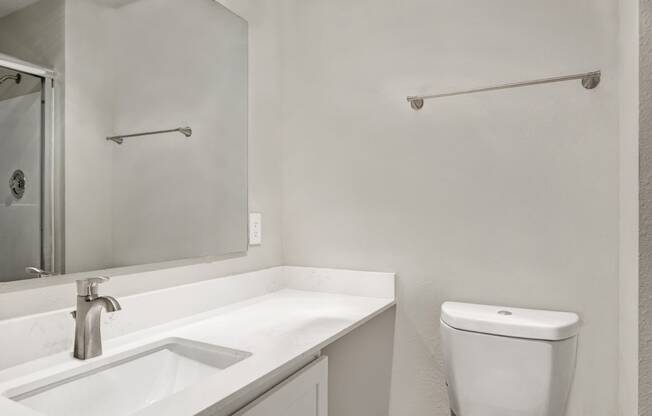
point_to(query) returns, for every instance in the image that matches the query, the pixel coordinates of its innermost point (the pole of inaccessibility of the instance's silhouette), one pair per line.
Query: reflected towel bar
(186, 131)
(590, 80)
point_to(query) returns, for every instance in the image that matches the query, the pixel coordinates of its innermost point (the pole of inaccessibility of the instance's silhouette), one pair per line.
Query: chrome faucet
(88, 339)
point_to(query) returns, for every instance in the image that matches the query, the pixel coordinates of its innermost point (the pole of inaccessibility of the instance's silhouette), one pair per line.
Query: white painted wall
(10, 6)
(88, 117)
(121, 80)
(629, 254)
(189, 68)
(34, 33)
(645, 216)
(508, 197)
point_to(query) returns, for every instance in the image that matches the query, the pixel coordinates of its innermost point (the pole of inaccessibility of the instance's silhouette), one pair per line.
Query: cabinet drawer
(303, 394)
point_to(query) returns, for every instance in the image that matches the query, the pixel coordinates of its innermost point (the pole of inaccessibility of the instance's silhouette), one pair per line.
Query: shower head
(17, 77)
(186, 131)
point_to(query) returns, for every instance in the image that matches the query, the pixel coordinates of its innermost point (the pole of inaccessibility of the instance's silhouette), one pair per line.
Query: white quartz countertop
(276, 328)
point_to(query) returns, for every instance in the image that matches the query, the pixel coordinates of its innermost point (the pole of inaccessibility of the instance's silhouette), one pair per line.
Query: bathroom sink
(128, 382)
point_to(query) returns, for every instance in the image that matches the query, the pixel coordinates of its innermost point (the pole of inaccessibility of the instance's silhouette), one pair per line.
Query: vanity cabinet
(303, 394)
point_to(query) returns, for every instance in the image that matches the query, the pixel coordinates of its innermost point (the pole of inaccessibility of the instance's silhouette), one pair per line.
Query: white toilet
(507, 361)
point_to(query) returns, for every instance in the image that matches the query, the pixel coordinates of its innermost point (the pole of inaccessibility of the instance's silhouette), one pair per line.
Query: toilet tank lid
(510, 322)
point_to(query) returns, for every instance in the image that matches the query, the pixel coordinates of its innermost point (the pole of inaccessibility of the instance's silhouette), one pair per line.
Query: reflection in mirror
(166, 82)
(20, 161)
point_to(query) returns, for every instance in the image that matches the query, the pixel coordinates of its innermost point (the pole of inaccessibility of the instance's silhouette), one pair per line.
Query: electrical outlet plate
(255, 229)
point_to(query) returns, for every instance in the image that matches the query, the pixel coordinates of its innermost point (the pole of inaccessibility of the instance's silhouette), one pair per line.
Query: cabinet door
(303, 394)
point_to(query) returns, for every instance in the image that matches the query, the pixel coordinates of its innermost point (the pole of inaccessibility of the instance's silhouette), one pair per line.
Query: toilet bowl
(503, 361)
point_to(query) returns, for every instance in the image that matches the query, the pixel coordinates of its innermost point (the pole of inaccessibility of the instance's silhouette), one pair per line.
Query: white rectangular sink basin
(128, 382)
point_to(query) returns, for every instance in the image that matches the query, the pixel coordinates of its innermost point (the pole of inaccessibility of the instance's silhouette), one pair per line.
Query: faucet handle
(88, 287)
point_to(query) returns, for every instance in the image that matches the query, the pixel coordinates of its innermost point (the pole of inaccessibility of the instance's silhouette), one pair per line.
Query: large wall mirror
(123, 134)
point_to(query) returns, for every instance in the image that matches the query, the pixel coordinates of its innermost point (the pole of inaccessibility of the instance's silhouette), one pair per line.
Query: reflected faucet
(88, 339)
(38, 272)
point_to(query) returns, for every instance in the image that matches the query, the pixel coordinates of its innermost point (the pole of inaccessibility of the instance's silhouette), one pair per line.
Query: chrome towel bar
(186, 131)
(590, 80)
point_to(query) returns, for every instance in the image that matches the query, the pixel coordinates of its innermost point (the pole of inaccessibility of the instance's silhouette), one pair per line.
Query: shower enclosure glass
(21, 174)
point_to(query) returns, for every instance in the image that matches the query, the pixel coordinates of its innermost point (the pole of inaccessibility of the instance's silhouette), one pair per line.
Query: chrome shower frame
(52, 214)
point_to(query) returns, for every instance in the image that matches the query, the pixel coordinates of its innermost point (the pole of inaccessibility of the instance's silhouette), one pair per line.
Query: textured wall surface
(115, 208)
(508, 197)
(101, 100)
(629, 208)
(645, 263)
(88, 117)
(204, 176)
(36, 34)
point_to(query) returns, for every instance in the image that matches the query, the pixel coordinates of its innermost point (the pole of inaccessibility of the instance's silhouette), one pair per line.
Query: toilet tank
(503, 361)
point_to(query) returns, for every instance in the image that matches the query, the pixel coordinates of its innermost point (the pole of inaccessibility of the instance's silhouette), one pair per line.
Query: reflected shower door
(21, 172)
